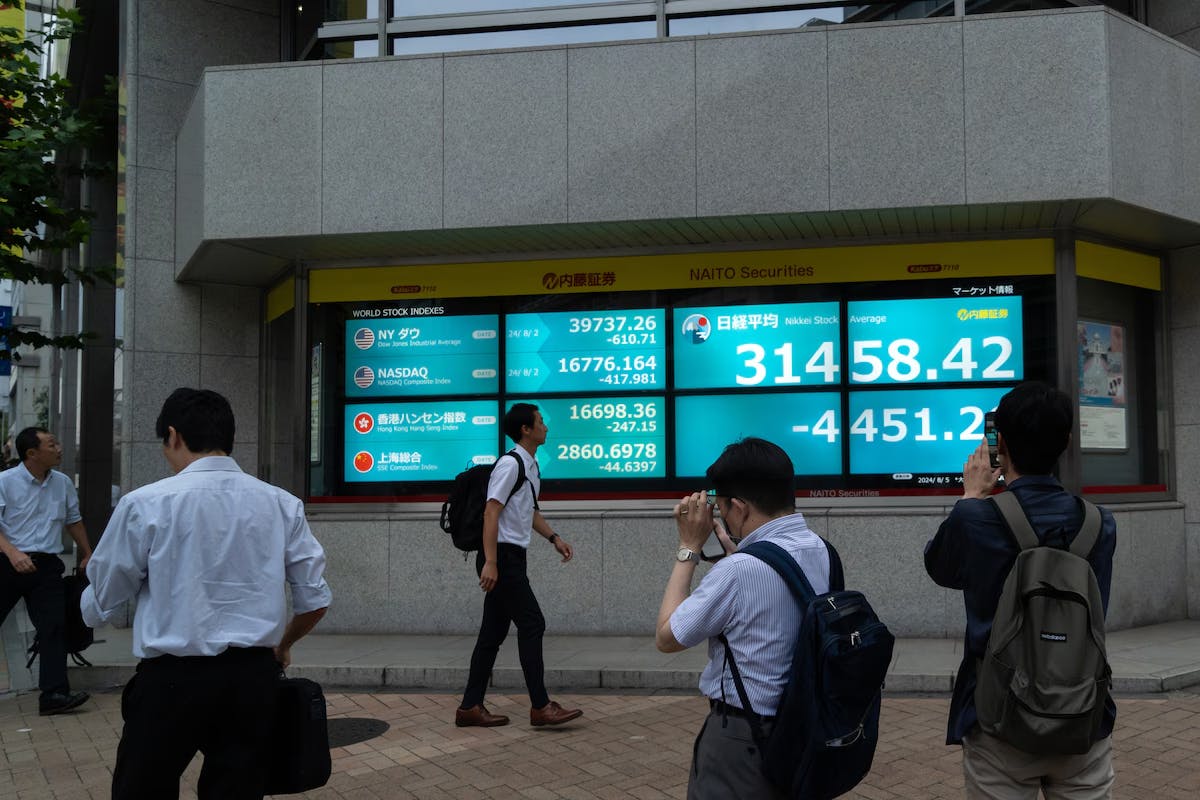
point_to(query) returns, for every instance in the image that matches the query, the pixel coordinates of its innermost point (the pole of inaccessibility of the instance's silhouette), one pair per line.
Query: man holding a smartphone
(974, 552)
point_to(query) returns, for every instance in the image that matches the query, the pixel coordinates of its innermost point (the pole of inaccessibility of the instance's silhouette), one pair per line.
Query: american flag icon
(364, 377)
(364, 338)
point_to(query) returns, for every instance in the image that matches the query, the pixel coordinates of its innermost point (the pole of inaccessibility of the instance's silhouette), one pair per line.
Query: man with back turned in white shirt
(206, 553)
(754, 485)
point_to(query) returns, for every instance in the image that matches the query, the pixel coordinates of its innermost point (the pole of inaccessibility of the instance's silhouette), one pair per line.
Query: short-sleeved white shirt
(516, 519)
(743, 598)
(33, 512)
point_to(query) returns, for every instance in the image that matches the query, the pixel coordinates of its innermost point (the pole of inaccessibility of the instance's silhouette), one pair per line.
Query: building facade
(1004, 195)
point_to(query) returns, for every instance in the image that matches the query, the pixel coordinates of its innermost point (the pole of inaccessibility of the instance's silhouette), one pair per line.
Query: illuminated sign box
(585, 352)
(609, 437)
(864, 384)
(432, 440)
(806, 426)
(424, 356)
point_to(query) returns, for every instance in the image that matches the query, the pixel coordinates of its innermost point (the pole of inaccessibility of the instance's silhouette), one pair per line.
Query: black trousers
(510, 601)
(43, 593)
(222, 706)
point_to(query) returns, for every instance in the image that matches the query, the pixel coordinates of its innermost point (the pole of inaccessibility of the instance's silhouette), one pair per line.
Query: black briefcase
(77, 636)
(300, 743)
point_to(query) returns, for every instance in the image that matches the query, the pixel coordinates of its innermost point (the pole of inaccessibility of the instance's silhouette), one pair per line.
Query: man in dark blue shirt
(974, 551)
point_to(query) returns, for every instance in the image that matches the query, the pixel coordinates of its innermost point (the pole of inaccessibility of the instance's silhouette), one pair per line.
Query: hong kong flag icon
(364, 422)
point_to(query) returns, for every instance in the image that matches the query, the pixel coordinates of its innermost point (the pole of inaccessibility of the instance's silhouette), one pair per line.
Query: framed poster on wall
(1103, 423)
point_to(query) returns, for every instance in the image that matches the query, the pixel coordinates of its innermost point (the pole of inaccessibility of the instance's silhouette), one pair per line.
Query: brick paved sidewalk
(626, 746)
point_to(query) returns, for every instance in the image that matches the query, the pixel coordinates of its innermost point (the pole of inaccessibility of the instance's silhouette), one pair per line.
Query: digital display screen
(936, 340)
(757, 347)
(864, 387)
(432, 440)
(917, 430)
(807, 426)
(422, 356)
(612, 437)
(605, 351)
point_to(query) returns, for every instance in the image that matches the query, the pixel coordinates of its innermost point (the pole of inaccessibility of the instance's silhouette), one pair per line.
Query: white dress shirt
(206, 552)
(516, 520)
(33, 512)
(744, 598)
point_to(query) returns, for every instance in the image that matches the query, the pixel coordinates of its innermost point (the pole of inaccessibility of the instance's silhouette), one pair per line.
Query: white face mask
(736, 539)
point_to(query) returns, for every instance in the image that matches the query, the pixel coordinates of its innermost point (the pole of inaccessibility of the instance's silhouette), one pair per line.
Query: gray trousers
(726, 764)
(995, 770)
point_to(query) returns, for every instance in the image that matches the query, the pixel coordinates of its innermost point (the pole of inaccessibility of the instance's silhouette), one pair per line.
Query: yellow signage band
(966, 260)
(1118, 266)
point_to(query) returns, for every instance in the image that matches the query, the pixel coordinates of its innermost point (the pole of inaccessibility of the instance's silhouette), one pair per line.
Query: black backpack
(462, 513)
(77, 636)
(827, 724)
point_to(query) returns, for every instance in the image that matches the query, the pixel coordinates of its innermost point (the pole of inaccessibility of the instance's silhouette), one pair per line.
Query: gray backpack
(1044, 680)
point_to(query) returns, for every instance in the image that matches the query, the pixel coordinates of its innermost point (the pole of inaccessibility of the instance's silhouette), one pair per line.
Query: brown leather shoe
(552, 714)
(478, 717)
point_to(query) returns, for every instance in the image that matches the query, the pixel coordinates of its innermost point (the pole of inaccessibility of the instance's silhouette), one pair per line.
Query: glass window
(528, 37)
(413, 8)
(337, 10)
(361, 48)
(771, 20)
(1119, 344)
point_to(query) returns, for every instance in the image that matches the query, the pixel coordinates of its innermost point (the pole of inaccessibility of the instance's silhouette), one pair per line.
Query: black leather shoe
(58, 702)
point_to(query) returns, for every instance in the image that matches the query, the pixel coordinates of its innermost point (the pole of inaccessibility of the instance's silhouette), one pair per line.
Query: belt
(718, 707)
(231, 653)
(42, 555)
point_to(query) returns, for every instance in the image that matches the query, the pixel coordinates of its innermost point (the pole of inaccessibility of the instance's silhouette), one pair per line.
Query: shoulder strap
(521, 477)
(1089, 532)
(752, 717)
(837, 575)
(1014, 516)
(779, 560)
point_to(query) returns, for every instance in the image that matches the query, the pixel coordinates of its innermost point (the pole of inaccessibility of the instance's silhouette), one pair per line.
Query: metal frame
(386, 27)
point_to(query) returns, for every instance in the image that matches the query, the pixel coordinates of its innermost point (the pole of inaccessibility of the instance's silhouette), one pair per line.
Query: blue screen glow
(917, 430)
(807, 426)
(936, 341)
(756, 347)
(596, 351)
(427, 441)
(422, 356)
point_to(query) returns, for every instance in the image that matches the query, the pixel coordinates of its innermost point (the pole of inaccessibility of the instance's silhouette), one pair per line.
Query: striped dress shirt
(744, 598)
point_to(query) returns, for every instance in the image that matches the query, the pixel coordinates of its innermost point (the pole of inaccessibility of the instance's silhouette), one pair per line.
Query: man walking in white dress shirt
(206, 553)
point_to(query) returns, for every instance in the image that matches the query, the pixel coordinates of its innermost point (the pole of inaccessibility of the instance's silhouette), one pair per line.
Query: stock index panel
(609, 437)
(430, 440)
(596, 351)
(757, 347)
(862, 392)
(435, 355)
(916, 379)
(936, 340)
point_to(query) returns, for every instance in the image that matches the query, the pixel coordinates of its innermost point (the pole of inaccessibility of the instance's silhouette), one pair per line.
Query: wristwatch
(685, 555)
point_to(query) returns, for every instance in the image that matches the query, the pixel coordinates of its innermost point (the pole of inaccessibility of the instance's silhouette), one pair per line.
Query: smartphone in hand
(989, 433)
